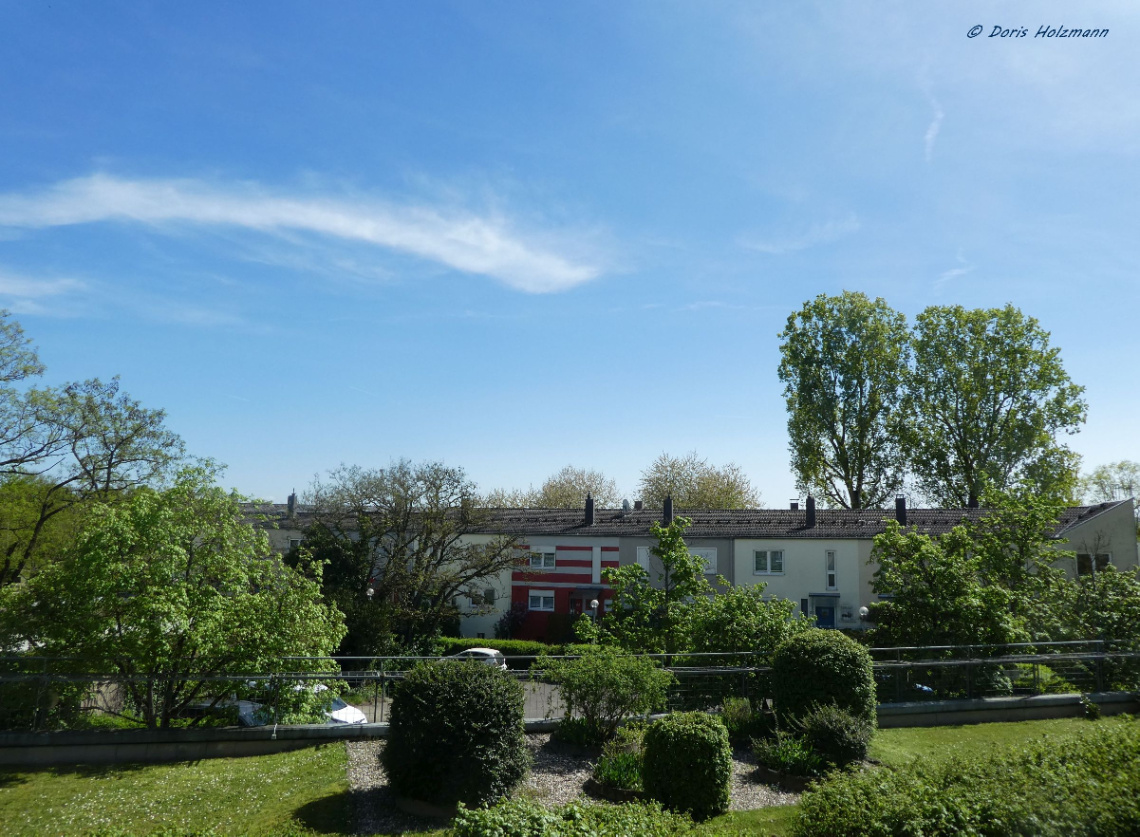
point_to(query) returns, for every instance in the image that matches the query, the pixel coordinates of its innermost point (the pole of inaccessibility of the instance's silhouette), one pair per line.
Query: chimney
(796, 504)
(638, 505)
(810, 512)
(900, 510)
(589, 510)
(668, 516)
(292, 503)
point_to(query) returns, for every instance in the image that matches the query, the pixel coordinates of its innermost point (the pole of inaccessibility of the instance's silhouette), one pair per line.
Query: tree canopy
(63, 448)
(401, 532)
(566, 489)
(169, 589)
(844, 360)
(987, 397)
(694, 483)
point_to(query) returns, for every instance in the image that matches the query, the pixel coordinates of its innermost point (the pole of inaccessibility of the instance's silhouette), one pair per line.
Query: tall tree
(987, 397)
(1111, 482)
(171, 590)
(844, 361)
(566, 489)
(401, 532)
(693, 483)
(64, 448)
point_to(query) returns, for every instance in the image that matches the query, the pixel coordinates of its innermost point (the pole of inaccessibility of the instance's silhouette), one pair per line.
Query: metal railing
(47, 693)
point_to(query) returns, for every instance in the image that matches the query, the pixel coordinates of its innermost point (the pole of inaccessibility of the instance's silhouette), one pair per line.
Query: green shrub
(524, 649)
(838, 736)
(605, 687)
(522, 818)
(456, 734)
(743, 722)
(688, 764)
(819, 667)
(622, 759)
(1089, 787)
(790, 754)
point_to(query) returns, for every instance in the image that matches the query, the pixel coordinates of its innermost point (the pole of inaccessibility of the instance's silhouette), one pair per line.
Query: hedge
(820, 667)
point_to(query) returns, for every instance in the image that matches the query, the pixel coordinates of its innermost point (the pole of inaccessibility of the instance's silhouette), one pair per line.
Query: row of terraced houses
(820, 559)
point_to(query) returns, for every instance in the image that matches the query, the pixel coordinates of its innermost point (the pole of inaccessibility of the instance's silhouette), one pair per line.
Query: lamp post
(594, 607)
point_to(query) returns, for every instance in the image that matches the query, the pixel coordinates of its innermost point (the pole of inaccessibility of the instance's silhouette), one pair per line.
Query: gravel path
(555, 778)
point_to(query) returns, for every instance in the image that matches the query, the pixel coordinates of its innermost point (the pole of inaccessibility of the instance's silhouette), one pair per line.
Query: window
(643, 557)
(831, 569)
(768, 561)
(542, 559)
(608, 605)
(489, 596)
(542, 600)
(708, 555)
(1085, 562)
(294, 543)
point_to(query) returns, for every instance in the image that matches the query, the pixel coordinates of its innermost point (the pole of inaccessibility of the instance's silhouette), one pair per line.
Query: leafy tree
(401, 531)
(844, 363)
(695, 484)
(1111, 482)
(653, 618)
(170, 589)
(936, 592)
(63, 449)
(987, 397)
(566, 489)
(741, 619)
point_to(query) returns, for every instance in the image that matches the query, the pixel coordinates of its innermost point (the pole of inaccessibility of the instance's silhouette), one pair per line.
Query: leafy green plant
(743, 721)
(835, 734)
(622, 759)
(456, 734)
(791, 754)
(819, 667)
(523, 818)
(606, 686)
(688, 764)
(1090, 707)
(1090, 786)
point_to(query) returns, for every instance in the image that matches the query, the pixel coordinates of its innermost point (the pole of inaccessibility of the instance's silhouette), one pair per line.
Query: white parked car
(487, 656)
(334, 709)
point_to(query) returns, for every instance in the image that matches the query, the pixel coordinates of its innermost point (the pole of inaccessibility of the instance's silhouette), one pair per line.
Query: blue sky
(514, 236)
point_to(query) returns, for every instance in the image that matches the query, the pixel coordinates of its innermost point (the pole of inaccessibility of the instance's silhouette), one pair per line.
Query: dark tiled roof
(710, 523)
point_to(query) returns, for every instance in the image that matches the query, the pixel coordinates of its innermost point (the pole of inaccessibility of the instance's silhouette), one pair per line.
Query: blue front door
(824, 617)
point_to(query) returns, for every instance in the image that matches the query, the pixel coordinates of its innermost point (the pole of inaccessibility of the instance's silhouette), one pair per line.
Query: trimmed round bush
(687, 764)
(820, 667)
(456, 735)
(837, 735)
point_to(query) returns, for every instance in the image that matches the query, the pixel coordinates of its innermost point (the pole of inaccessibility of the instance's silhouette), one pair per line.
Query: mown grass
(304, 792)
(297, 792)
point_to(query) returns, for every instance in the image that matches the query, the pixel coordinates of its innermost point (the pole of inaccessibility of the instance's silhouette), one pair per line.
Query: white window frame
(768, 554)
(542, 596)
(294, 543)
(830, 569)
(546, 559)
(643, 555)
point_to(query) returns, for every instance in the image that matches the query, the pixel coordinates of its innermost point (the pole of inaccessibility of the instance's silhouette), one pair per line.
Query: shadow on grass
(10, 780)
(331, 814)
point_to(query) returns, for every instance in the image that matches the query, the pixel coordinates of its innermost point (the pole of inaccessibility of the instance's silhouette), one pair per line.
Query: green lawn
(298, 792)
(304, 792)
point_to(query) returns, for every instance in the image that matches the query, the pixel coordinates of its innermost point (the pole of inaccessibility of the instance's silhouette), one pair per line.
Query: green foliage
(566, 489)
(1089, 786)
(622, 759)
(844, 360)
(688, 764)
(650, 618)
(456, 734)
(988, 396)
(523, 818)
(820, 667)
(791, 754)
(606, 686)
(171, 589)
(741, 619)
(838, 736)
(401, 531)
(62, 450)
(693, 483)
(1090, 708)
(745, 721)
(527, 649)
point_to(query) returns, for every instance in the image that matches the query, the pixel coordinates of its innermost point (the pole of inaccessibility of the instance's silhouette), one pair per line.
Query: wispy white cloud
(27, 295)
(933, 129)
(487, 244)
(948, 276)
(817, 234)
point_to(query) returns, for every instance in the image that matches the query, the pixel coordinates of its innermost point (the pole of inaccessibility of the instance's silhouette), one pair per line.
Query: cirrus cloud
(487, 245)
